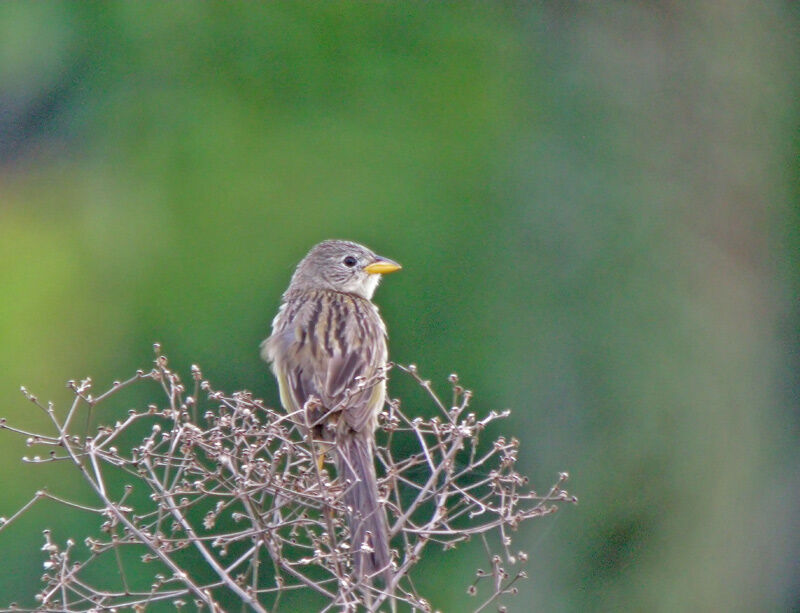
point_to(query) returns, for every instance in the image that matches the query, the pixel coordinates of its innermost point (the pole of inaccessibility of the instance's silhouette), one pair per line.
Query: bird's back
(321, 341)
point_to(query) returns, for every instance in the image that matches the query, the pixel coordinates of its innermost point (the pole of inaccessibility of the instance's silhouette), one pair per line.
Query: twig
(243, 490)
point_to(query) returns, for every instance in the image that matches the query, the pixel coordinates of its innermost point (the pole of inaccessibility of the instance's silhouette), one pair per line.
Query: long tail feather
(366, 517)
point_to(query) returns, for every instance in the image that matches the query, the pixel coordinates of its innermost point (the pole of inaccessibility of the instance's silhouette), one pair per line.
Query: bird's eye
(350, 261)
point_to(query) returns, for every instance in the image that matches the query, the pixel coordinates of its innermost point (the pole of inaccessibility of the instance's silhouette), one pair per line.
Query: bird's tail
(366, 517)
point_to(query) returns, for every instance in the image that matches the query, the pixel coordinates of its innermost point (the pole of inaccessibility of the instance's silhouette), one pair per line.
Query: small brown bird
(325, 335)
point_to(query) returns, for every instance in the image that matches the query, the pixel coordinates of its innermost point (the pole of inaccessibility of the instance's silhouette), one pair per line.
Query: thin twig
(247, 478)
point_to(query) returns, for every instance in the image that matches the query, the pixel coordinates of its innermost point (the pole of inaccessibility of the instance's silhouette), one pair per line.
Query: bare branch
(243, 490)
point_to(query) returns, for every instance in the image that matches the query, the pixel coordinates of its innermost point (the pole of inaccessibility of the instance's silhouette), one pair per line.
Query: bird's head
(341, 266)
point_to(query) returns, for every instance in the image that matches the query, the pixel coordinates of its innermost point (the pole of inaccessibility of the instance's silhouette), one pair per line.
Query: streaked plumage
(325, 335)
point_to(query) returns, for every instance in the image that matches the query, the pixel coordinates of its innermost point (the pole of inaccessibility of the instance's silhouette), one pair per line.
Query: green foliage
(591, 203)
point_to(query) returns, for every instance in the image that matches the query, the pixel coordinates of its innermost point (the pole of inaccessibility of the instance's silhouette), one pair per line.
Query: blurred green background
(594, 204)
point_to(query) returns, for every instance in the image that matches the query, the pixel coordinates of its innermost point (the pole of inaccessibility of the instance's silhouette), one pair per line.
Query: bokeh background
(594, 204)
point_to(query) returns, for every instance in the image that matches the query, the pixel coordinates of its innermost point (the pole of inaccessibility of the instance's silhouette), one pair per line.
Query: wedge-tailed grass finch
(326, 339)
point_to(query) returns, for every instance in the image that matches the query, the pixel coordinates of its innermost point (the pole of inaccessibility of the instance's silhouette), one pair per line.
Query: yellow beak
(382, 266)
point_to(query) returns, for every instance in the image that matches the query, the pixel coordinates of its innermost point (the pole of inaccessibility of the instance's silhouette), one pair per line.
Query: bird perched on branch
(328, 353)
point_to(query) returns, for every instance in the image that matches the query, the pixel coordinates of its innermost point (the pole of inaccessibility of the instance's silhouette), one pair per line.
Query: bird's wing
(356, 357)
(322, 350)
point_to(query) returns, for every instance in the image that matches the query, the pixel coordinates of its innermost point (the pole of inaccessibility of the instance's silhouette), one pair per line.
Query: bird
(328, 352)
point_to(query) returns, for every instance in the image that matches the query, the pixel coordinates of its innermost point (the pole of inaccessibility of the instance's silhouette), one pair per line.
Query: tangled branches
(220, 501)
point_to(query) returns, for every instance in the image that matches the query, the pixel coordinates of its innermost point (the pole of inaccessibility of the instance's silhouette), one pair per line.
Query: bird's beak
(382, 266)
